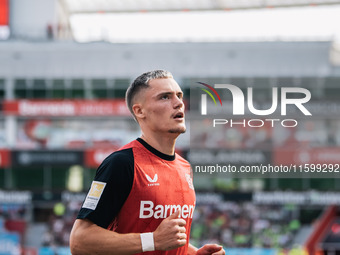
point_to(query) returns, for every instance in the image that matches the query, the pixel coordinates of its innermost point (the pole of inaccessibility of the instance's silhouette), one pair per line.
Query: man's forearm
(192, 249)
(88, 238)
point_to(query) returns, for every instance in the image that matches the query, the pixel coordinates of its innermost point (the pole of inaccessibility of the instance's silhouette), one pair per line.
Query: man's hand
(171, 233)
(211, 249)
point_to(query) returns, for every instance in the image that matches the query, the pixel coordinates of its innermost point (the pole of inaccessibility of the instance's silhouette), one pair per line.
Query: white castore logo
(152, 181)
(155, 178)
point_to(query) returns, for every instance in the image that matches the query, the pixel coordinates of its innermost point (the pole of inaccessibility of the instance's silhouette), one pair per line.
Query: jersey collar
(156, 152)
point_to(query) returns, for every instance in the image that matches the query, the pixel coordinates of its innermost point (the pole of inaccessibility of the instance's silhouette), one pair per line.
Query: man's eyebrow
(170, 93)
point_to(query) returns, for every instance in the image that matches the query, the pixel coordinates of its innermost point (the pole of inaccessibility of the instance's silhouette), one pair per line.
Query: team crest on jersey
(189, 180)
(152, 181)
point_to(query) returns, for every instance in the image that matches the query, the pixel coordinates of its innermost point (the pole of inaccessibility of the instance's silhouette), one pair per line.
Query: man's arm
(192, 249)
(88, 238)
(208, 249)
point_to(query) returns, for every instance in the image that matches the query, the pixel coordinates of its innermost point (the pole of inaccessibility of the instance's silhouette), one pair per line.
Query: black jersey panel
(117, 172)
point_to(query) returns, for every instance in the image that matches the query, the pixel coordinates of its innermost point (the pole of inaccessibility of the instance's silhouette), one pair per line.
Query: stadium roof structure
(140, 21)
(113, 6)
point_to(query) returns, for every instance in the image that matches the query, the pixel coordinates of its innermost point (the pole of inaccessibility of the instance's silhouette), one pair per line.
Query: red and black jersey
(137, 187)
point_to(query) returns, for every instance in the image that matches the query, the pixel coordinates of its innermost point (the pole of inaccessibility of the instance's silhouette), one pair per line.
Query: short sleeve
(110, 188)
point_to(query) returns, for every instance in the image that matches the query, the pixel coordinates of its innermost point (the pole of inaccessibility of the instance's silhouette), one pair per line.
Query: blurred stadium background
(64, 69)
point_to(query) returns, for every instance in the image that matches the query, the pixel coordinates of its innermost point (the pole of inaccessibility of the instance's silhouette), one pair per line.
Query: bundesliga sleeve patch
(94, 195)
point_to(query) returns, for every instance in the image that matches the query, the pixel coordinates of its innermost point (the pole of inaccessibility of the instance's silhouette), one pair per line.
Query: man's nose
(178, 103)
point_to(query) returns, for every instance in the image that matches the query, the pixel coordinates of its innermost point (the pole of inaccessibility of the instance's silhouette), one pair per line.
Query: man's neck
(163, 144)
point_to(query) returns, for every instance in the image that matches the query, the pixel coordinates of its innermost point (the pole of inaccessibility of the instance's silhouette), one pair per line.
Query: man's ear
(138, 111)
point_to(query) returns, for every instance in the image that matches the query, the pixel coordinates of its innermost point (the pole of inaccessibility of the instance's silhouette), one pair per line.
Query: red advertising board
(30, 251)
(4, 158)
(324, 155)
(52, 108)
(94, 157)
(4, 12)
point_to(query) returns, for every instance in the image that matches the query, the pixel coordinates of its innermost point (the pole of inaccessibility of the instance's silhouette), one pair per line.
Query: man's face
(162, 107)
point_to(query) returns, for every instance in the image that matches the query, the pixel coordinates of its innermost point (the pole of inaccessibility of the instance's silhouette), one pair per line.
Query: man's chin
(177, 130)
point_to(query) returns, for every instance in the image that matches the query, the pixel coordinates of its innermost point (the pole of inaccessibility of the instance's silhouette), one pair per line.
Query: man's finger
(181, 222)
(213, 247)
(182, 236)
(182, 230)
(175, 215)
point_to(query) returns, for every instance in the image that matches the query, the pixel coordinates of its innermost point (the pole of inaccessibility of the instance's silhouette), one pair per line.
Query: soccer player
(142, 198)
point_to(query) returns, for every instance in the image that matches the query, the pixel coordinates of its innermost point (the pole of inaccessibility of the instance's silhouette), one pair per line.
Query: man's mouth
(179, 115)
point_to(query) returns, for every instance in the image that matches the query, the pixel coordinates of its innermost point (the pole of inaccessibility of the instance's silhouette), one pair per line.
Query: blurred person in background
(142, 198)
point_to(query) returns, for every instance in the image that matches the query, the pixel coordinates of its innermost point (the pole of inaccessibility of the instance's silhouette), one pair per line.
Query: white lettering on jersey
(148, 210)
